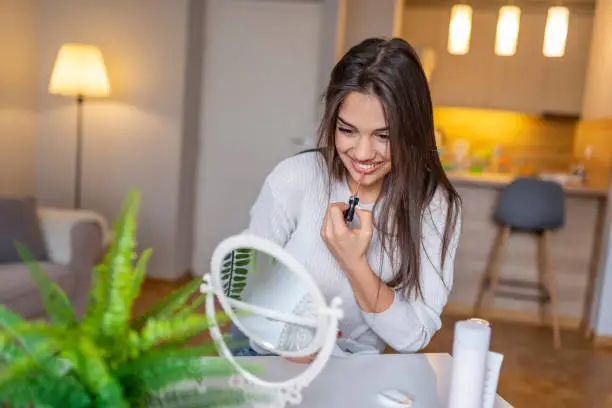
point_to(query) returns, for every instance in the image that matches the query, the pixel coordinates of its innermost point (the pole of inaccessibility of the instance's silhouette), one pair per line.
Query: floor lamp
(79, 72)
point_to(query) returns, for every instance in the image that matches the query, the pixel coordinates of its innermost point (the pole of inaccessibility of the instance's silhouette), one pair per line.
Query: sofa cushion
(15, 279)
(19, 292)
(19, 222)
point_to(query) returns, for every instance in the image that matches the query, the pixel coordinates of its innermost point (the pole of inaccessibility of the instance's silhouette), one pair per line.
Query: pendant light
(506, 36)
(555, 36)
(460, 29)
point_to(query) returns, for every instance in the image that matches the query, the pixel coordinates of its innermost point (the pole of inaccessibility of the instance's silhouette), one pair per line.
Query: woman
(394, 267)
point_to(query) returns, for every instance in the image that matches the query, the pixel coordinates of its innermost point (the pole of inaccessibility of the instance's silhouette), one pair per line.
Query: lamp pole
(79, 71)
(78, 165)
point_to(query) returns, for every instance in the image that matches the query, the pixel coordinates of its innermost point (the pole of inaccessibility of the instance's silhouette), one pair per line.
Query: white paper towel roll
(470, 348)
(494, 362)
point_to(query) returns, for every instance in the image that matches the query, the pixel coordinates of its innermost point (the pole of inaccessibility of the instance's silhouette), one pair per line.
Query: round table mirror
(274, 302)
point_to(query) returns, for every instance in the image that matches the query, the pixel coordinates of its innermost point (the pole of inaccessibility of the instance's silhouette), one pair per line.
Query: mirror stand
(278, 394)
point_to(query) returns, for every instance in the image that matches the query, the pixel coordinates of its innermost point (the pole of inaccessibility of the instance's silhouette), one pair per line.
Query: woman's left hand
(302, 360)
(348, 245)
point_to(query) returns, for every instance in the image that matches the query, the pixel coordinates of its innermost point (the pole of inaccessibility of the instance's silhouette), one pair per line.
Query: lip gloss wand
(349, 214)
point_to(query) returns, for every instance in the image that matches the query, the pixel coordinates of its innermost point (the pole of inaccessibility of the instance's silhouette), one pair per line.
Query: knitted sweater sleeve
(409, 323)
(274, 215)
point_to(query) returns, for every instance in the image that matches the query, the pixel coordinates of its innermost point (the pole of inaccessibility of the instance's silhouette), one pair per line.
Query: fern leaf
(8, 322)
(88, 363)
(174, 329)
(197, 302)
(56, 302)
(98, 298)
(236, 266)
(106, 281)
(29, 345)
(24, 363)
(140, 270)
(120, 349)
(45, 389)
(15, 341)
(170, 304)
(156, 356)
(38, 331)
(8, 318)
(206, 397)
(156, 373)
(119, 262)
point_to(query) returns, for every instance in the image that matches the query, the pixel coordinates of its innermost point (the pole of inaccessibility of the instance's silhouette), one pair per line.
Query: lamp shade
(79, 70)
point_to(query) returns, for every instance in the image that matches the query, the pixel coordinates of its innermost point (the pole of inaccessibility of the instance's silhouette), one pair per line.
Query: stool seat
(531, 204)
(538, 207)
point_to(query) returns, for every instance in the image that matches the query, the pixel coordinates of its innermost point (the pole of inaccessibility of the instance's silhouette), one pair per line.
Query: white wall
(602, 312)
(261, 82)
(598, 88)
(18, 19)
(185, 227)
(367, 18)
(135, 137)
(333, 30)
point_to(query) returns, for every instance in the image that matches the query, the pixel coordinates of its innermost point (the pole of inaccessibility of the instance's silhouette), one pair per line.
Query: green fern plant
(108, 358)
(236, 266)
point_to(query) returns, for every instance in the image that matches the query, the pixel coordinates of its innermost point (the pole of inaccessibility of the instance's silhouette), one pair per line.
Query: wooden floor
(533, 374)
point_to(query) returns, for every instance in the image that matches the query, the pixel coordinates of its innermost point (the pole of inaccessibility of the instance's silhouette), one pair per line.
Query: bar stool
(537, 207)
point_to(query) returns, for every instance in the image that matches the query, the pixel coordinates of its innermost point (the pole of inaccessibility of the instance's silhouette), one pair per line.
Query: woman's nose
(363, 148)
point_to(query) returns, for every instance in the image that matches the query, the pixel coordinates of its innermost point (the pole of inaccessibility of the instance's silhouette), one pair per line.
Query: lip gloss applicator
(349, 214)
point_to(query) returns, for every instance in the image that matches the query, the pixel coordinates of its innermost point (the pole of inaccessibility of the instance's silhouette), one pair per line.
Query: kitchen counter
(500, 180)
(575, 251)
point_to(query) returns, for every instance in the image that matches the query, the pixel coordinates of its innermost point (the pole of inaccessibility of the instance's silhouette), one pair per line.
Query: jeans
(237, 336)
(247, 352)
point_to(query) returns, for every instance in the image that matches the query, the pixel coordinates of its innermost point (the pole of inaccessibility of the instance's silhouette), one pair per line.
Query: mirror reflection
(271, 303)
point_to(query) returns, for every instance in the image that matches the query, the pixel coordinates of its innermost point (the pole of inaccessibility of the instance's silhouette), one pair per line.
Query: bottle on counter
(579, 170)
(439, 134)
(496, 158)
(460, 155)
(480, 161)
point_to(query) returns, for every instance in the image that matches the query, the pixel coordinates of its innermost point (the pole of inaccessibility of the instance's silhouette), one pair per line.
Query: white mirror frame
(284, 392)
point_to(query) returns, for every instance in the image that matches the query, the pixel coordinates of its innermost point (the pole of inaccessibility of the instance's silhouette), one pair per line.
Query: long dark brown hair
(391, 70)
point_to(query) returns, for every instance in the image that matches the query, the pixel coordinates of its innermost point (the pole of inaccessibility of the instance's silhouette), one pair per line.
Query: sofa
(66, 243)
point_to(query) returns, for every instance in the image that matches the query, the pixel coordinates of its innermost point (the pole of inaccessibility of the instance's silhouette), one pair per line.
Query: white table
(354, 382)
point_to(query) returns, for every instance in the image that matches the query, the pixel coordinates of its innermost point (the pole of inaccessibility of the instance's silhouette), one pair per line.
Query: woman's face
(362, 139)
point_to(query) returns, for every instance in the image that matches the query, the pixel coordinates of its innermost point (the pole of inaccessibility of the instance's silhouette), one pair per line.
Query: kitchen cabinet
(526, 82)
(564, 79)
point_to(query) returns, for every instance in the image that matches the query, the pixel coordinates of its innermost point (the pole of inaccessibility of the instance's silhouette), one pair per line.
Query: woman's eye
(383, 136)
(345, 130)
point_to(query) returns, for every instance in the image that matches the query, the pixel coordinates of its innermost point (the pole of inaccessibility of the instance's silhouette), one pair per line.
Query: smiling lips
(365, 167)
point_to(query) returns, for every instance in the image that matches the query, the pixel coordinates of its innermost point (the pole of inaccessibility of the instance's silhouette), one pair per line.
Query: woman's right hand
(307, 359)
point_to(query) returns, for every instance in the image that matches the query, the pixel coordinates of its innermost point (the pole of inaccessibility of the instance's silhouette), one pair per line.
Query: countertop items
(499, 180)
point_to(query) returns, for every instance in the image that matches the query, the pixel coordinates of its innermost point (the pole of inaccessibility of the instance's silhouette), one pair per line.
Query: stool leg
(490, 281)
(542, 277)
(485, 282)
(552, 288)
